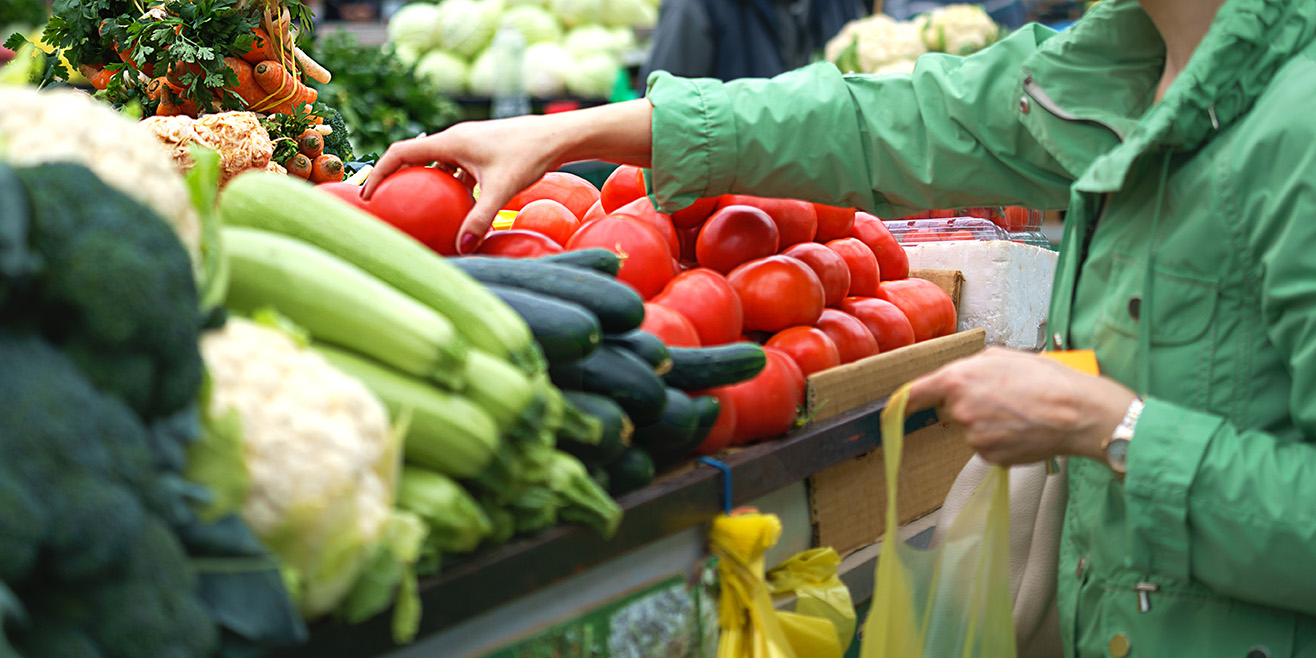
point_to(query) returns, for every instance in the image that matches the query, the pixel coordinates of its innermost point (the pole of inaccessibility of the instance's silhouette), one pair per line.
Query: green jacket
(1188, 264)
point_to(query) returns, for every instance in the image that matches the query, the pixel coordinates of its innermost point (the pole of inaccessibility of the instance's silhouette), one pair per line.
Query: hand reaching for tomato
(508, 155)
(1021, 408)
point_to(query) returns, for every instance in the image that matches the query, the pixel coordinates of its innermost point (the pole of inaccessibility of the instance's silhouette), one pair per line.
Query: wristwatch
(1116, 447)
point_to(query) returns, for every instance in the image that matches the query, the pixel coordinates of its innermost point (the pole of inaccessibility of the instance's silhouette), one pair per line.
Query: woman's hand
(508, 155)
(1021, 408)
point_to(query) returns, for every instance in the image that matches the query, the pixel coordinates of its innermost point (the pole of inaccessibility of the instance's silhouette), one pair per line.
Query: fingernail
(467, 244)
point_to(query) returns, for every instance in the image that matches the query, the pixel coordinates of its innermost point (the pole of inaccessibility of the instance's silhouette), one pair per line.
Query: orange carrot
(327, 169)
(96, 75)
(284, 90)
(311, 143)
(261, 48)
(298, 165)
(248, 89)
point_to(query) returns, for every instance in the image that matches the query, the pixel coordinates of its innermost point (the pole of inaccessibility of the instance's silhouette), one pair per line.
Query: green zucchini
(617, 429)
(578, 425)
(599, 260)
(644, 345)
(447, 433)
(341, 304)
(564, 330)
(632, 470)
(670, 435)
(698, 368)
(618, 374)
(708, 408)
(281, 204)
(618, 307)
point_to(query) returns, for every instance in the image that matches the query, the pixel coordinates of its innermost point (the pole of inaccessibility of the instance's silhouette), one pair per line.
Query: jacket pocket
(1181, 305)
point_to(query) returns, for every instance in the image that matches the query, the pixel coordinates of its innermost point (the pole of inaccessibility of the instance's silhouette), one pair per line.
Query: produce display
(880, 44)
(572, 47)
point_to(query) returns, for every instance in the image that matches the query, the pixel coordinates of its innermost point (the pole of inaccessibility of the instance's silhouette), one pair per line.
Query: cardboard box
(847, 502)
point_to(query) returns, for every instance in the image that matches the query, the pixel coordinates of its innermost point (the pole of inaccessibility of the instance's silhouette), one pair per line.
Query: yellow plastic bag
(751, 627)
(819, 593)
(951, 601)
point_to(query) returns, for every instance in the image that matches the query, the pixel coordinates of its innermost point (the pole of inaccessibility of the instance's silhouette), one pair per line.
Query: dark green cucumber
(617, 429)
(599, 260)
(697, 368)
(618, 374)
(565, 331)
(631, 471)
(618, 307)
(671, 433)
(644, 345)
(708, 408)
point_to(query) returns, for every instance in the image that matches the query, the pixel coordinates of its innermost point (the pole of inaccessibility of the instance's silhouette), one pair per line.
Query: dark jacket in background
(729, 39)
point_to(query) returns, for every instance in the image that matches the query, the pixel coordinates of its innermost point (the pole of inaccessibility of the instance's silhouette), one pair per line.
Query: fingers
(477, 223)
(928, 392)
(407, 153)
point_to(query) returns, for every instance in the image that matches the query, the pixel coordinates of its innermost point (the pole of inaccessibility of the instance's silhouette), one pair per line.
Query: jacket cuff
(694, 137)
(1164, 454)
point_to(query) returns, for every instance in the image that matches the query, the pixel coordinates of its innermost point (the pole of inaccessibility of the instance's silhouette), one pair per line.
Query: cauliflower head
(881, 40)
(960, 29)
(63, 125)
(321, 459)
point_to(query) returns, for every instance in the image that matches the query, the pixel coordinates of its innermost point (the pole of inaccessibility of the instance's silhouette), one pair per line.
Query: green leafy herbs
(44, 68)
(380, 97)
(284, 129)
(27, 13)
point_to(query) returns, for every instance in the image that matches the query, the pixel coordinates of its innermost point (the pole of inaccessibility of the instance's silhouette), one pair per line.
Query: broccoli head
(115, 290)
(337, 142)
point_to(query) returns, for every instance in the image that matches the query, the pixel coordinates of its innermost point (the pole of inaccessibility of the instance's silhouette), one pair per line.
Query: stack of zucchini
(456, 367)
(587, 325)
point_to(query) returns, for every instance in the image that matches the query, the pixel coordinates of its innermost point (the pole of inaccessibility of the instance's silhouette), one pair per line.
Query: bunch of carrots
(311, 162)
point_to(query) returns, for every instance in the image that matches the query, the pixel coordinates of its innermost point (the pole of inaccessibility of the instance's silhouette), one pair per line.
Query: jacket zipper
(1036, 92)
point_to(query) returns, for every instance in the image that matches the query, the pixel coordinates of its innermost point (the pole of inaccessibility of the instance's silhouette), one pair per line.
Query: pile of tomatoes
(817, 286)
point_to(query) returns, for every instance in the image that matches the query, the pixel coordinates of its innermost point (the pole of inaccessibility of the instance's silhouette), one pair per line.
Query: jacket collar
(1105, 70)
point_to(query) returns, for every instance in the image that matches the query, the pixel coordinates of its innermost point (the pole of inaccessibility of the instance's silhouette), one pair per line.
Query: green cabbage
(591, 39)
(630, 13)
(534, 23)
(482, 74)
(466, 27)
(578, 12)
(546, 69)
(593, 76)
(446, 71)
(414, 27)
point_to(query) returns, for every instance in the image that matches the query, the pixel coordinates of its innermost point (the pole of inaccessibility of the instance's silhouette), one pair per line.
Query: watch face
(1116, 453)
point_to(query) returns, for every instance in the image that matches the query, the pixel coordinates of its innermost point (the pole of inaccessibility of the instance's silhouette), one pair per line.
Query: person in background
(729, 39)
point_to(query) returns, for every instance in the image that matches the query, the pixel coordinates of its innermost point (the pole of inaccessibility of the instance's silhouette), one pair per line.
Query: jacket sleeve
(947, 135)
(1228, 507)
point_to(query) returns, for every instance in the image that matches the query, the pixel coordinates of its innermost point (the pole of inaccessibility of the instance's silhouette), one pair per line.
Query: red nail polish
(468, 244)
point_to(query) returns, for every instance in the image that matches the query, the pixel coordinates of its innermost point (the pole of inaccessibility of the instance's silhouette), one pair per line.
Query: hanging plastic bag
(819, 593)
(951, 601)
(750, 625)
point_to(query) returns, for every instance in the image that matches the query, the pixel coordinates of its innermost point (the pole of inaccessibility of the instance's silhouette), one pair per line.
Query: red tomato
(644, 211)
(735, 235)
(796, 220)
(595, 212)
(811, 348)
(688, 237)
(833, 223)
(518, 244)
(853, 340)
(646, 259)
(694, 214)
(1015, 219)
(862, 265)
(624, 185)
(672, 328)
(724, 429)
(960, 235)
(425, 203)
(830, 267)
(888, 325)
(549, 218)
(710, 304)
(777, 292)
(942, 214)
(348, 192)
(570, 190)
(768, 404)
(892, 261)
(930, 310)
(984, 212)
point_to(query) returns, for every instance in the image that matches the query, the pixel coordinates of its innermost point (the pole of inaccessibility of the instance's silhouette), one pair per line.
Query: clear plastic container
(1011, 219)
(917, 231)
(1035, 238)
